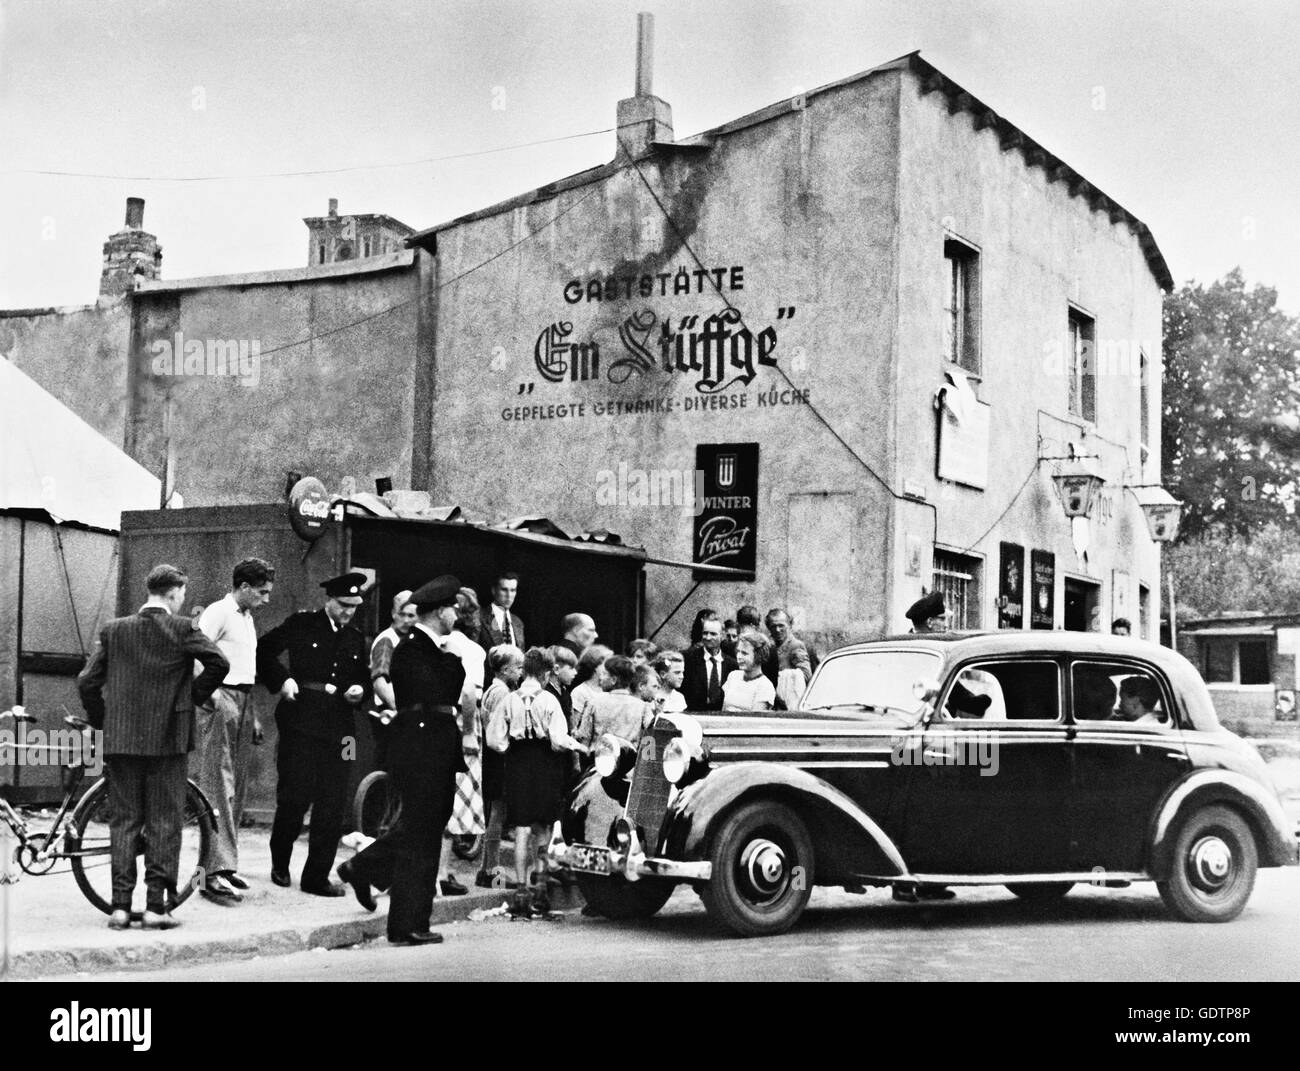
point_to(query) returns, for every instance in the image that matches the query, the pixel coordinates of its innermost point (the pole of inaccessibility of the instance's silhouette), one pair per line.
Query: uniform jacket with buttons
(425, 676)
(318, 654)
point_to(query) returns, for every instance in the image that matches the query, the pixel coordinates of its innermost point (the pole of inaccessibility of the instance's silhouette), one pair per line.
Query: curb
(40, 963)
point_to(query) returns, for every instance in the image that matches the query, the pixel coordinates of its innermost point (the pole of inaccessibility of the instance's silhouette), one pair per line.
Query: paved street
(1093, 935)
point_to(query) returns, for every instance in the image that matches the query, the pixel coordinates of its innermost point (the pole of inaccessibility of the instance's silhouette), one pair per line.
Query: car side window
(993, 692)
(1119, 694)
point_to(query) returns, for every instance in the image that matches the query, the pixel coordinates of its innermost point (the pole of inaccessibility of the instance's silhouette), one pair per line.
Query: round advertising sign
(309, 508)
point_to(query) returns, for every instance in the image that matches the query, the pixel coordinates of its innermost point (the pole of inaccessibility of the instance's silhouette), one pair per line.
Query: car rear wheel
(762, 861)
(620, 899)
(1213, 869)
(1040, 892)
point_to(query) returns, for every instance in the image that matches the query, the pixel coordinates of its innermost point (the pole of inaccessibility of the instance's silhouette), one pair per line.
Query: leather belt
(434, 708)
(314, 686)
(245, 688)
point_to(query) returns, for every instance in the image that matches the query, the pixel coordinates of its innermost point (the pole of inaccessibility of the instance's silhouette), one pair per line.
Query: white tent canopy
(52, 460)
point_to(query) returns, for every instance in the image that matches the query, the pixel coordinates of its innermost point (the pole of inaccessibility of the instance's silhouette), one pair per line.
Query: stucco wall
(338, 405)
(1039, 250)
(805, 205)
(78, 355)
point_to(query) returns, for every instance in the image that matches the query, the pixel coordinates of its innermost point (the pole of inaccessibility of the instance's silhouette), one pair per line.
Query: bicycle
(82, 836)
(376, 809)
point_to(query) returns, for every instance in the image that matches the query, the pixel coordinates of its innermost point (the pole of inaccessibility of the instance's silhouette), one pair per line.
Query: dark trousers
(380, 734)
(405, 860)
(147, 797)
(312, 772)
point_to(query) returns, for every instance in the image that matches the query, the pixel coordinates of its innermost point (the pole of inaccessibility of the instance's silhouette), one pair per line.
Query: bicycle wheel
(376, 807)
(89, 849)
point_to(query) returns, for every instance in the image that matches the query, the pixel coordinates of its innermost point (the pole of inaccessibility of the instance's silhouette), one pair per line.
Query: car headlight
(609, 755)
(677, 760)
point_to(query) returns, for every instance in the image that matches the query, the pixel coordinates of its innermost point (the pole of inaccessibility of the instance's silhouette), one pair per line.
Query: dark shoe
(220, 891)
(427, 937)
(281, 878)
(120, 919)
(158, 920)
(540, 903)
(237, 880)
(360, 888)
(483, 880)
(329, 888)
(451, 887)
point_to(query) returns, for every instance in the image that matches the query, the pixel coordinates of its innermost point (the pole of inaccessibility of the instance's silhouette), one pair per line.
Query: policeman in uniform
(327, 678)
(928, 614)
(425, 755)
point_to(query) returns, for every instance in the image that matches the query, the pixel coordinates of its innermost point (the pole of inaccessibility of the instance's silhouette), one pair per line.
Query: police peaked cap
(440, 591)
(926, 607)
(346, 588)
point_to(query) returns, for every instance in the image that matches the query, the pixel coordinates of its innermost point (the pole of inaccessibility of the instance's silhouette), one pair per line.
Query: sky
(1187, 113)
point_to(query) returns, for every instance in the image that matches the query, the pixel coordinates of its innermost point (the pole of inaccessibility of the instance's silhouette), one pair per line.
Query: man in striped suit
(139, 688)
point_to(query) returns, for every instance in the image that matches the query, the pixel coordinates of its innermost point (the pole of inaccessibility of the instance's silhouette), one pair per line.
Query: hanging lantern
(1078, 491)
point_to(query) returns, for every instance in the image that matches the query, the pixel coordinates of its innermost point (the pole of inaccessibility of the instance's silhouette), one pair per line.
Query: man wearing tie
(499, 625)
(706, 668)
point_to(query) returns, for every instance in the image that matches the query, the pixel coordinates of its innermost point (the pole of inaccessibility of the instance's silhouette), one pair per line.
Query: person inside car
(1094, 694)
(1138, 698)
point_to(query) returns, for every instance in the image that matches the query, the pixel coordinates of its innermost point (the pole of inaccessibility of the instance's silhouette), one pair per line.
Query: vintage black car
(1034, 760)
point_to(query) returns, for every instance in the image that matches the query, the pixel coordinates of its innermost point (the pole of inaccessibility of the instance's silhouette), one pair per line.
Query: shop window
(957, 579)
(961, 305)
(1081, 366)
(1252, 662)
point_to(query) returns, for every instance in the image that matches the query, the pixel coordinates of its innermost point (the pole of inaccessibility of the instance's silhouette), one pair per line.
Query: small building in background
(1248, 661)
(333, 238)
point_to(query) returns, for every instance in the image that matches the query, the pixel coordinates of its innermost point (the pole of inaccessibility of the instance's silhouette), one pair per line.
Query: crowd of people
(481, 732)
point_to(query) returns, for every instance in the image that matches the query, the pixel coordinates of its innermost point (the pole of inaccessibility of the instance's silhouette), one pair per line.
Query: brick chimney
(130, 255)
(643, 119)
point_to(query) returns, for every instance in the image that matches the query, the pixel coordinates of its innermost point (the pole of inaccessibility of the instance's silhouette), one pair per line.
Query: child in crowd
(506, 664)
(529, 728)
(618, 711)
(588, 683)
(747, 688)
(642, 652)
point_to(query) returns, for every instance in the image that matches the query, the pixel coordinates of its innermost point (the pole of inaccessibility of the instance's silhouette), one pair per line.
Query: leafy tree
(1230, 437)
(1216, 572)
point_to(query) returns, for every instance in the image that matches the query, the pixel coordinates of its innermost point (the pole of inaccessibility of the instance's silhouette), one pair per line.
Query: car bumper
(632, 865)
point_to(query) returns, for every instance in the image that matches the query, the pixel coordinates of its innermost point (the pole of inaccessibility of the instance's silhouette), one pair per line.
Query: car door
(986, 793)
(1121, 768)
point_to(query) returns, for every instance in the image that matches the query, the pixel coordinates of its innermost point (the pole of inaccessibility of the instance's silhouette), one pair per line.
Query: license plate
(593, 860)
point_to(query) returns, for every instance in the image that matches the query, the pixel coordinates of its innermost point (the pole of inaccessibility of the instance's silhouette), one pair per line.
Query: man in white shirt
(498, 624)
(381, 658)
(226, 726)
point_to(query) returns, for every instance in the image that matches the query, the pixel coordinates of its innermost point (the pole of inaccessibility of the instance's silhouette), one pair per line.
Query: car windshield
(871, 683)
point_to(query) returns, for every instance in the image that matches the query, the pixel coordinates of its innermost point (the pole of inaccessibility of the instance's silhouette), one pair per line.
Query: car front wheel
(762, 861)
(1213, 868)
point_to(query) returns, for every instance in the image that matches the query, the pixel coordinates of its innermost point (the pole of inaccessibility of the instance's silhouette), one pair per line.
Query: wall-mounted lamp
(1162, 511)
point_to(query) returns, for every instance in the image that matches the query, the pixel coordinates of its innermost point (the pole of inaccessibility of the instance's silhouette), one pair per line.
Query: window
(1234, 661)
(1144, 410)
(1005, 691)
(1118, 694)
(1081, 366)
(961, 305)
(956, 578)
(321, 250)
(365, 247)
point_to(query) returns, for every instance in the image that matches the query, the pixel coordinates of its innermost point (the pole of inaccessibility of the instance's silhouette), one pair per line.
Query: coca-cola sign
(726, 524)
(309, 508)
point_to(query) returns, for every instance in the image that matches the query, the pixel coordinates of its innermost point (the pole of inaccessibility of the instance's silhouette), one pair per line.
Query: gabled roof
(1010, 137)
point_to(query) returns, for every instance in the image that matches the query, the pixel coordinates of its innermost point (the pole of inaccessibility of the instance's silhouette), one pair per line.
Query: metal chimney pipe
(135, 213)
(645, 53)
(334, 206)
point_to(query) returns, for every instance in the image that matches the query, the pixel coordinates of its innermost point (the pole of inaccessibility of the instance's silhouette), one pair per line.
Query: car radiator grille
(647, 797)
